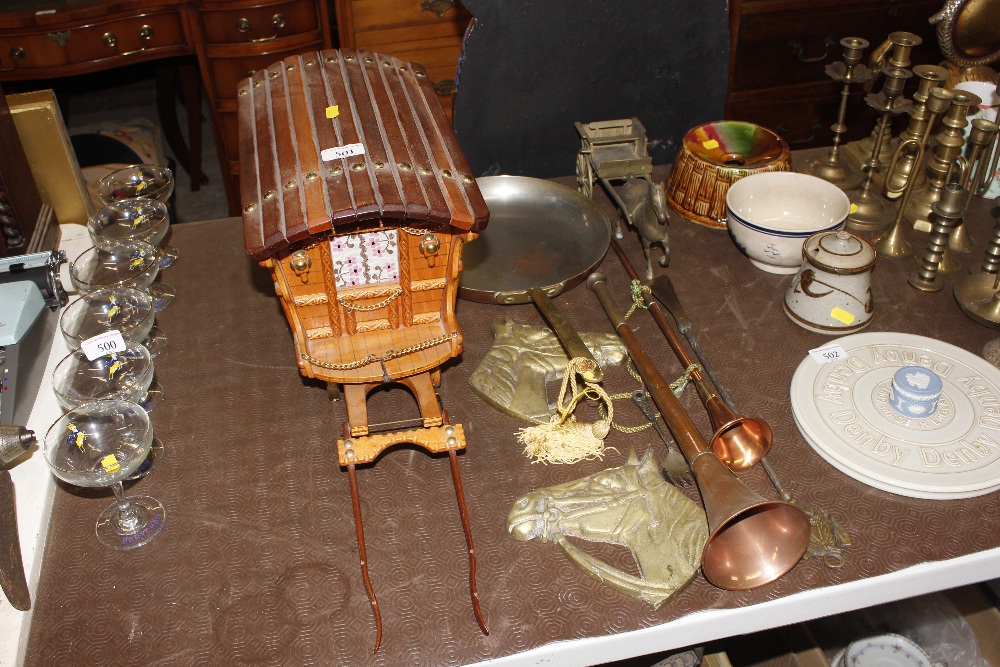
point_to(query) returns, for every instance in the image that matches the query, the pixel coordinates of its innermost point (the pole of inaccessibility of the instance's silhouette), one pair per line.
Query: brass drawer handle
(444, 87)
(17, 54)
(277, 22)
(110, 40)
(784, 130)
(795, 46)
(59, 37)
(439, 7)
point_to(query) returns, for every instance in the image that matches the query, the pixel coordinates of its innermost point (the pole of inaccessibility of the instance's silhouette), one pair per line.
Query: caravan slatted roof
(341, 136)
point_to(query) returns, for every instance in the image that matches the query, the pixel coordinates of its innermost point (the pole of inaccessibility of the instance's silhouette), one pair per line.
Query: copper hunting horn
(752, 540)
(739, 441)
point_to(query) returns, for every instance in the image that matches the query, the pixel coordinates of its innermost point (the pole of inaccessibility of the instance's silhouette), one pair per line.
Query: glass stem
(128, 517)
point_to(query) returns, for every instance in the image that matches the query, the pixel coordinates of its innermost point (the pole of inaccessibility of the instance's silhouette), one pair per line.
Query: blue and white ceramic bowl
(770, 215)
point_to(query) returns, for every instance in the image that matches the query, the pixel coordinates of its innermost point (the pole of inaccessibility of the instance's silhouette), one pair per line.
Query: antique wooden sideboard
(229, 39)
(428, 32)
(779, 48)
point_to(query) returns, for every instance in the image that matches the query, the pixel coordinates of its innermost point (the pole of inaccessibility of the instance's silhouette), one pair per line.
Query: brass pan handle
(796, 47)
(567, 335)
(277, 22)
(17, 54)
(439, 7)
(146, 33)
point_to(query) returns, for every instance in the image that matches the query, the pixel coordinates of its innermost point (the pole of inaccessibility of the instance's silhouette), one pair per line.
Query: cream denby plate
(842, 409)
(885, 651)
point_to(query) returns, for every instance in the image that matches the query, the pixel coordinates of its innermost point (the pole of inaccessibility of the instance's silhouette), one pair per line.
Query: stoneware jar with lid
(832, 291)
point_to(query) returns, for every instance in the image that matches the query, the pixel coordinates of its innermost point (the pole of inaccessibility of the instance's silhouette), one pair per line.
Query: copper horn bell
(740, 442)
(752, 540)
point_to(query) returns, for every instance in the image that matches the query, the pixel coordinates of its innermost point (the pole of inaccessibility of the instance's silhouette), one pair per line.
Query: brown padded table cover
(258, 561)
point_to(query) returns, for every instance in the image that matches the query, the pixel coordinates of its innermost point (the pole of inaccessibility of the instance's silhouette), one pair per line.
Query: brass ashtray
(715, 155)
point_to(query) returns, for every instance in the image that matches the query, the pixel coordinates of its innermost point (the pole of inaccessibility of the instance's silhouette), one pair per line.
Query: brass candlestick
(979, 293)
(987, 168)
(947, 214)
(833, 167)
(869, 210)
(895, 51)
(893, 243)
(991, 260)
(919, 127)
(981, 135)
(943, 162)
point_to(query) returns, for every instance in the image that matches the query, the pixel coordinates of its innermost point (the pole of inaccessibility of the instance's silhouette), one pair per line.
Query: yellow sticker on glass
(110, 463)
(842, 315)
(710, 144)
(332, 112)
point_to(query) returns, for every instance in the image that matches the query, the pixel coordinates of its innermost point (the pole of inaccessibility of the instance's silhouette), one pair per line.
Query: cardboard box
(805, 645)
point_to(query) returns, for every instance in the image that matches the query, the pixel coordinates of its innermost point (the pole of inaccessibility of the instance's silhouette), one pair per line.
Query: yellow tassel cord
(563, 439)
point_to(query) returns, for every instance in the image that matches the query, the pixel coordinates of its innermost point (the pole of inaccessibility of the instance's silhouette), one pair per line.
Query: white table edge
(34, 486)
(704, 626)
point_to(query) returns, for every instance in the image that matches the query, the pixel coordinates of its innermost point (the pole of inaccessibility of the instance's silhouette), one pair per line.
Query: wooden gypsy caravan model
(358, 199)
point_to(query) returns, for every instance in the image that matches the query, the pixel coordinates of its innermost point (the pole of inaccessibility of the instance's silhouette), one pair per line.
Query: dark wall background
(531, 68)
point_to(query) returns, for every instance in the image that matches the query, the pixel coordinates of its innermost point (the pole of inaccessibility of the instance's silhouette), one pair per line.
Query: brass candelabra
(869, 210)
(895, 51)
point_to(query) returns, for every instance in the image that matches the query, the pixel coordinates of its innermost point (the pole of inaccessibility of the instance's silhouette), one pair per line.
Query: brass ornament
(524, 358)
(631, 506)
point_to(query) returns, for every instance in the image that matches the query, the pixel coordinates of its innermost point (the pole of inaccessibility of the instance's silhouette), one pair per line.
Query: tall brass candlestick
(947, 214)
(893, 242)
(982, 134)
(991, 260)
(979, 294)
(833, 167)
(869, 210)
(944, 160)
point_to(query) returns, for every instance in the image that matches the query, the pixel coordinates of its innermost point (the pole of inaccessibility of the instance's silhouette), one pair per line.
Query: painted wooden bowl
(715, 155)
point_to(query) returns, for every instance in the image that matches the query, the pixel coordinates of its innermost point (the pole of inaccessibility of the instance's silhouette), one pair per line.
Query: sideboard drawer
(782, 46)
(64, 50)
(815, 110)
(222, 23)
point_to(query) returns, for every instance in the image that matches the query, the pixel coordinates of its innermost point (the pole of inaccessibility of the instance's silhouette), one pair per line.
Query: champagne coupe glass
(101, 444)
(149, 181)
(125, 375)
(134, 220)
(125, 309)
(120, 264)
